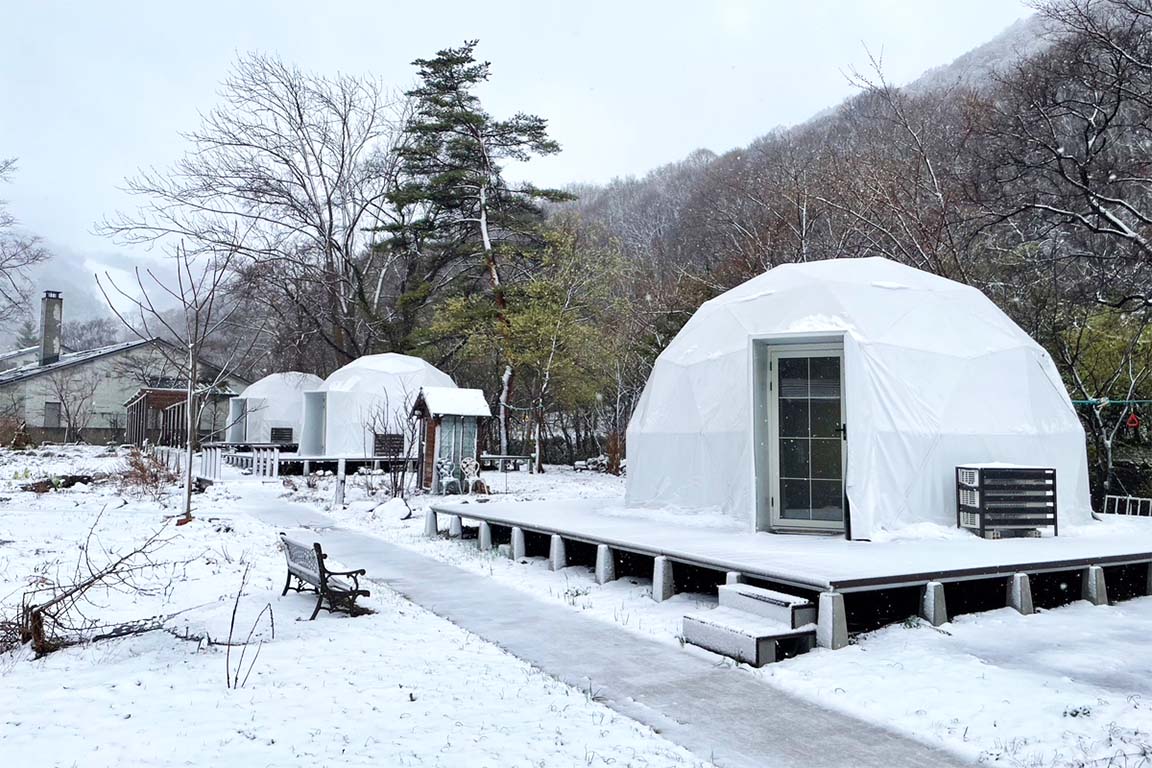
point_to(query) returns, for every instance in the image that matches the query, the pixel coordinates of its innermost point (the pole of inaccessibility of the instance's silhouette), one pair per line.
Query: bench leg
(287, 584)
(319, 605)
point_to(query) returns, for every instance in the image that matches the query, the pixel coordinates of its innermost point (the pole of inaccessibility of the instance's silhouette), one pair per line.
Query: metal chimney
(51, 316)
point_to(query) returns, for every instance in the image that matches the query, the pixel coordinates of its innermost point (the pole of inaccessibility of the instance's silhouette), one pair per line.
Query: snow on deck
(918, 555)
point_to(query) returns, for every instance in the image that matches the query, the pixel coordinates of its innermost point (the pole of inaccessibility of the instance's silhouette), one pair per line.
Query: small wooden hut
(448, 424)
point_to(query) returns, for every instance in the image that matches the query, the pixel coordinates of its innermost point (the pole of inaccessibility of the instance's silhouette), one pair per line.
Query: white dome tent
(841, 395)
(363, 409)
(270, 411)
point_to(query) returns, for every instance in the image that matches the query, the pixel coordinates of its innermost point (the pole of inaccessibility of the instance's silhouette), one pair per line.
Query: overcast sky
(91, 91)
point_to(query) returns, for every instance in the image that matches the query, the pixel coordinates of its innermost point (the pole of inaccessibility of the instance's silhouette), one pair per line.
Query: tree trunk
(190, 414)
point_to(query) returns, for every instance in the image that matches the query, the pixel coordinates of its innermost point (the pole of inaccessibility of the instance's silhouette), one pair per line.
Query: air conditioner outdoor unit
(999, 501)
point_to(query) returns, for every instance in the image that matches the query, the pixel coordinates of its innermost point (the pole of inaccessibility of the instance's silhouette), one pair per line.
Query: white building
(363, 409)
(56, 394)
(271, 410)
(840, 396)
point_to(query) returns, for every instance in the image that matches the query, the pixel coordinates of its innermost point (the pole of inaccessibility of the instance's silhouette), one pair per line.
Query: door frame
(765, 413)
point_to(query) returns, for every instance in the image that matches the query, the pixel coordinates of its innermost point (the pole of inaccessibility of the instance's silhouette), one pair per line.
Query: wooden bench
(306, 566)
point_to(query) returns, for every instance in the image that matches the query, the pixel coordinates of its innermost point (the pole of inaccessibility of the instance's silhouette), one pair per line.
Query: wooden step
(746, 637)
(777, 606)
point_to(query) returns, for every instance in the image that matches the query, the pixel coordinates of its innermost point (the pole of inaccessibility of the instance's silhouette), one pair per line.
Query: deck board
(818, 562)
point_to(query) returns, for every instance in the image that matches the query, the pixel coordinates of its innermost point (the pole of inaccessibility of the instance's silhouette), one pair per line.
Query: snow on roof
(453, 401)
(18, 352)
(72, 358)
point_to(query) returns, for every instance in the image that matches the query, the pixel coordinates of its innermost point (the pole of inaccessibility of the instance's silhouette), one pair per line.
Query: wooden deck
(819, 563)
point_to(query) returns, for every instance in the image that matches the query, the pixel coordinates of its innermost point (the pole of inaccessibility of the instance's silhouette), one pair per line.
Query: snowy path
(718, 712)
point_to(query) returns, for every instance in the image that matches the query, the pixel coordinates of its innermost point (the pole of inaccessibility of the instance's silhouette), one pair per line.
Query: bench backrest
(303, 559)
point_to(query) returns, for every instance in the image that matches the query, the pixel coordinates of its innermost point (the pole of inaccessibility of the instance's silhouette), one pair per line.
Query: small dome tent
(841, 395)
(363, 408)
(270, 411)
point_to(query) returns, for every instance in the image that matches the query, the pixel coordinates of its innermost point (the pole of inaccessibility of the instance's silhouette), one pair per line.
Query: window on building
(52, 415)
(281, 435)
(387, 444)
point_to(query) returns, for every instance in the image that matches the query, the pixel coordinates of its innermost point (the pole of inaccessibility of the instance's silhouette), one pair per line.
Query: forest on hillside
(346, 217)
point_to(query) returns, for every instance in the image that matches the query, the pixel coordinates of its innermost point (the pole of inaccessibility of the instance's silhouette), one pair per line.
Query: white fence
(261, 462)
(1135, 506)
(171, 458)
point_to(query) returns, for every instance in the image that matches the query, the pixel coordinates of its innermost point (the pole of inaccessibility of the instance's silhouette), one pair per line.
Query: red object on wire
(1133, 421)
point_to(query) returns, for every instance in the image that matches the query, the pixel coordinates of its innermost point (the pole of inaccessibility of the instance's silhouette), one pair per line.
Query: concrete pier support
(933, 608)
(455, 527)
(662, 584)
(517, 543)
(557, 554)
(1092, 586)
(1020, 593)
(341, 479)
(831, 621)
(430, 528)
(605, 564)
(484, 540)
(734, 577)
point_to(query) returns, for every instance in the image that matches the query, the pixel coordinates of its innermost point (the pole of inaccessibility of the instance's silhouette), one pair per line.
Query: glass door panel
(809, 447)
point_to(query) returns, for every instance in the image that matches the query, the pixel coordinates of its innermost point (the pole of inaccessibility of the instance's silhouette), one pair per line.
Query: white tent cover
(374, 393)
(935, 375)
(277, 400)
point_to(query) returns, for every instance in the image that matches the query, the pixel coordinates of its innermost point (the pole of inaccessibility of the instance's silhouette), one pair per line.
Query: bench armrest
(359, 572)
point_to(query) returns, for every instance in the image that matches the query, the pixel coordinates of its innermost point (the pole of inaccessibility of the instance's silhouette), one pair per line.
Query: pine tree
(27, 335)
(452, 161)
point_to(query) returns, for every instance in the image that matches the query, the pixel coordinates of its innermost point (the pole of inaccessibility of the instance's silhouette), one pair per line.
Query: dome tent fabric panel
(373, 394)
(935, 375)
(275, 401)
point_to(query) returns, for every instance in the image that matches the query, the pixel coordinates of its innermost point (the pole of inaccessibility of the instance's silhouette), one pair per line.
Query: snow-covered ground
(399, 687)
(1066, 687)
(1071, 686)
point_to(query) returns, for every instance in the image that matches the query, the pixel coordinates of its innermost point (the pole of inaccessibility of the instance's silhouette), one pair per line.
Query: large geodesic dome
(271, 409)
(371, 396)
(933, 375)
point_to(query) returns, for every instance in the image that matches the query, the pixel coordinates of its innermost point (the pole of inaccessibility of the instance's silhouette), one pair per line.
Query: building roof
(452, 401)
(32, 370)
(69, 359)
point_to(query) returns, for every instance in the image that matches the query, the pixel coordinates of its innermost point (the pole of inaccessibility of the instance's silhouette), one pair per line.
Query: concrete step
(746, 637)
(776, 606)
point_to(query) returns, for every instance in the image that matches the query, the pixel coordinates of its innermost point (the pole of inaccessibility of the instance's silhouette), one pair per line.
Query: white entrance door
(806, 437)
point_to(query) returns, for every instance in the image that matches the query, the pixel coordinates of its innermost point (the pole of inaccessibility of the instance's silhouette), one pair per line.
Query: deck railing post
(276, 462)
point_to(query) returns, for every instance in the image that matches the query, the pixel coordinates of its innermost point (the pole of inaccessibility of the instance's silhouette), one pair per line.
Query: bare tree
(80, 336)
(292, 174)
(18, 252)
(75, 390)
(202, 310)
